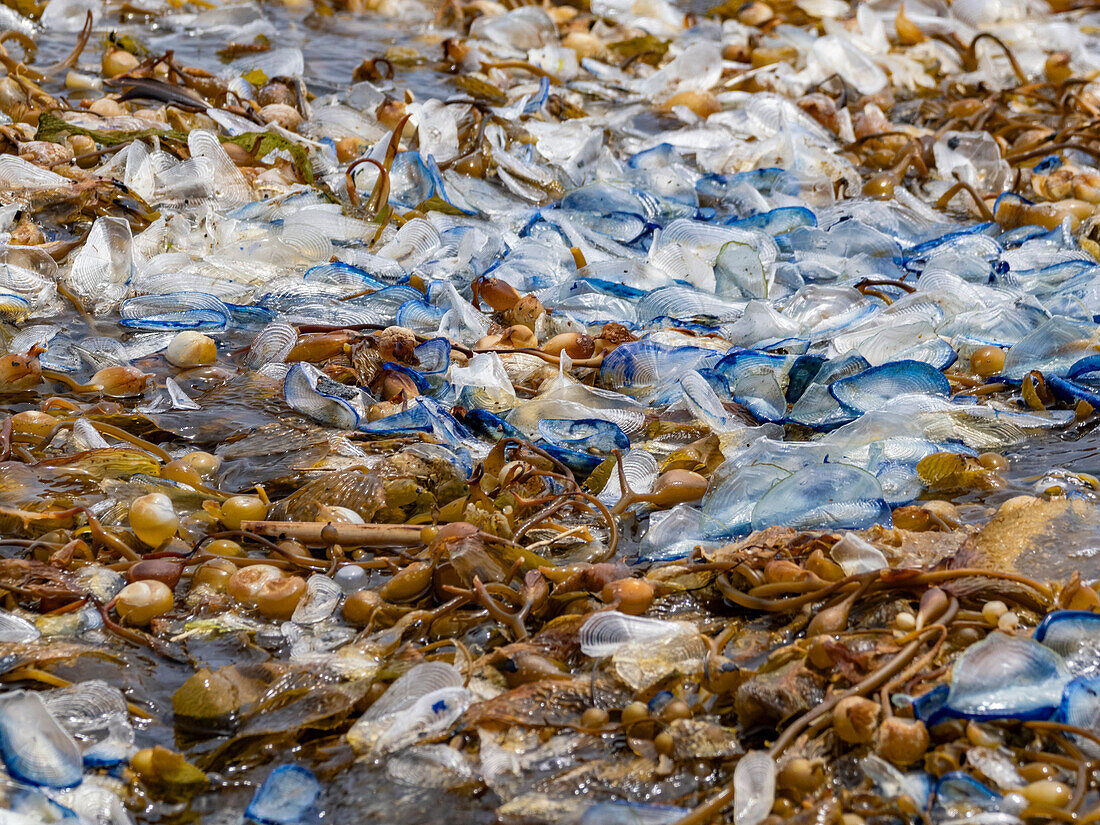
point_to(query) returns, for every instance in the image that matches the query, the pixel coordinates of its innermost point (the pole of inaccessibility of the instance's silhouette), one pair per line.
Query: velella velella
(1005, 677)
(605, 633)
(34, 747)
(285, 797)
(754, 788)
(828, 496)
(599, 412)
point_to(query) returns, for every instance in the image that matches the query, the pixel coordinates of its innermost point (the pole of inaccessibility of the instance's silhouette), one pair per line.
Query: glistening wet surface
(594, 413)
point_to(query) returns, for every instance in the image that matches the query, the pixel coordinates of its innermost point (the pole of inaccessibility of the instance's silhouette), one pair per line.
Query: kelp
(259, 144)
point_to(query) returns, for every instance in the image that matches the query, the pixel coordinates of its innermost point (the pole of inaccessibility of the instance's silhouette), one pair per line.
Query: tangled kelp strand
(590, 414)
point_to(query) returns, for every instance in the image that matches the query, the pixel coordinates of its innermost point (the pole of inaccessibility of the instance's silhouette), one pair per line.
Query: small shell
(280, 113)
(191, 349)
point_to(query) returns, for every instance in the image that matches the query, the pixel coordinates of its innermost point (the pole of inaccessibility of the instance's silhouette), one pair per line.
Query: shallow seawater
(333, 44)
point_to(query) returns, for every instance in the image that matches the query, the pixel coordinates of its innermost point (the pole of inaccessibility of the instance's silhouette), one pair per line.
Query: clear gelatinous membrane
(34, 747)
(827, 496)
(285, 796)
(604, 633)
(1007, 677)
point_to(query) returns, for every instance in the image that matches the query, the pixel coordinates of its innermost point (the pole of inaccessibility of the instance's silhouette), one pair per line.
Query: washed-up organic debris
(591, 413)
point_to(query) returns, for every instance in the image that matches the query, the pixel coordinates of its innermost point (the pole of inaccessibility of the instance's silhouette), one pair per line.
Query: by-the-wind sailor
(753, 788)
(174, 311)
(759, 392)
(675, 533)
(777, 221)
(823, 497)
(744, 266)
(484, 383)
(584, 434)
(891, 782)
(14, 308)
(486, 425)
(320, 600)
(179, 399)
(704, 403)
(604, 633)
(416, 683)
(96, 800)
(418, 315)
(1086, 370)
(1004, 677)
(1075, 636)
(16, 629)
(97, 717)
(271, 345)
(434, 356)
(685, 304)
(857, 555)
(876, 387)
(19, 174)
(960, 796)
(1080, 707)
(285, 798)
(642, 365)
(342, 274)
(431, 766)
(817, 407)
(900, 482)
(1054, 347)
(422, 415)
(103, 265)
(412, 244)
(733, 492)
(34, 747)
(432, 714)
(308, 390)
(26, 805)
(226, 181)
(908, 342)
(640, 470)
